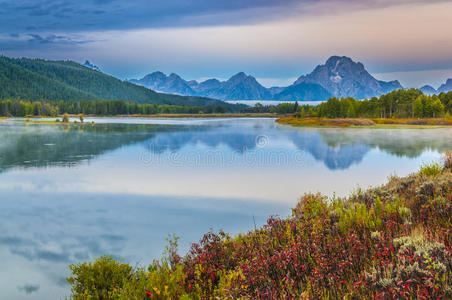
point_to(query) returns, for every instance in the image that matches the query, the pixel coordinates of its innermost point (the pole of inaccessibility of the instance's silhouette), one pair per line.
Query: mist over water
(119, 187)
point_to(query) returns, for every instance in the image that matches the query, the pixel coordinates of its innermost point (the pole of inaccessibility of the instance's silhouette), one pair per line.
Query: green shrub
(100, 279)
(433, 169)
(159, 282)
(65, 118)
(309, 206)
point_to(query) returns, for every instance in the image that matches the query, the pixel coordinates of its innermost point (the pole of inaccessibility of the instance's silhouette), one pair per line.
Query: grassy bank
(364, 122)
(228, 115)
(393, 241)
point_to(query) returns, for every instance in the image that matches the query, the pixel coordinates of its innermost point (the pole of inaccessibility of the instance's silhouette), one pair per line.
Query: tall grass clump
(389, 242)
(447, 159)
(432, 169)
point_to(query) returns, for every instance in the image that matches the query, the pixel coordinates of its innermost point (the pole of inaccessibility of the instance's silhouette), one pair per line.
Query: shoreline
(226, 115)
(312, 122)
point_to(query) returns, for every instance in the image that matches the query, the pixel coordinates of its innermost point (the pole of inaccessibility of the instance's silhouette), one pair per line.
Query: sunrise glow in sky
(273, 40)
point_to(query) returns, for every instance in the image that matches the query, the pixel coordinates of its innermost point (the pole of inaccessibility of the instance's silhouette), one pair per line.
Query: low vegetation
(389, 242)
(350, 122)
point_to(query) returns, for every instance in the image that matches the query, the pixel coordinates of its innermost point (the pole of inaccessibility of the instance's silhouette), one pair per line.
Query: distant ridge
(428, 90)
(446, 87)
(340, 76)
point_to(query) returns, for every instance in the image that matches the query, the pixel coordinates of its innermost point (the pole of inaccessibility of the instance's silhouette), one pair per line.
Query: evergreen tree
(351, 111)
(419, 107)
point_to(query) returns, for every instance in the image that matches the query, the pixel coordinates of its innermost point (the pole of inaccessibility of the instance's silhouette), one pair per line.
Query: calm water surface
(73, 193)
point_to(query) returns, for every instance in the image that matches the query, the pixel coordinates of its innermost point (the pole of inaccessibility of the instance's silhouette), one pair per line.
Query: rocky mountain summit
(91, 66)
(159, 82)
(343, 77)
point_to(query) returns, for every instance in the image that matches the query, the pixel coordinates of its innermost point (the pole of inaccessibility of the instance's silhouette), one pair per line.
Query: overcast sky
(274, 40)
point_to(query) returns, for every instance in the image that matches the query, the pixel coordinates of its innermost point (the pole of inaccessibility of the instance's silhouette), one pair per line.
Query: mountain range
(340, 76)
(67, 80)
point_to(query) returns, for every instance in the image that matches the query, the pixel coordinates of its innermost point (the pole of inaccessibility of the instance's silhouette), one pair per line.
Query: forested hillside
(39, 79)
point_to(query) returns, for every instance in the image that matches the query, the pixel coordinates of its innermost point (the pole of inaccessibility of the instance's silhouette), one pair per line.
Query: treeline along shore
(410, 103)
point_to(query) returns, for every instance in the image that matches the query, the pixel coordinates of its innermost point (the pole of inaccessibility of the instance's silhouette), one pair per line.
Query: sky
(274, 40)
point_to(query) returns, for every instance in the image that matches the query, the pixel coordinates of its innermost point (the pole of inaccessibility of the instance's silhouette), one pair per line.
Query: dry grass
(225, 115)
(431, 121)
(325, 122)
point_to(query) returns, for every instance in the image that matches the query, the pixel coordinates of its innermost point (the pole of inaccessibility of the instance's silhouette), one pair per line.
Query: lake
(73, 193)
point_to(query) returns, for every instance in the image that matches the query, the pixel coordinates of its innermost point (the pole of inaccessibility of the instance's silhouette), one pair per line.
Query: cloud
(53, 39)
(88, 15)
(38, 42)
(29, 288)
(11, 241)
(92, 15)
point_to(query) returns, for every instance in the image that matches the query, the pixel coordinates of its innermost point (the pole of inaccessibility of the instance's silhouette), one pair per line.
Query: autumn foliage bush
(389, 242)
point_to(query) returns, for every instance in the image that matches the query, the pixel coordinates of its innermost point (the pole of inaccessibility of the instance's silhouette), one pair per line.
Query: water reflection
(64, 145)
(44, 146)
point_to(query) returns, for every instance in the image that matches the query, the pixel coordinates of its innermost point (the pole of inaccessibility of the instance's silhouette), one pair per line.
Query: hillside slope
(67, 80)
